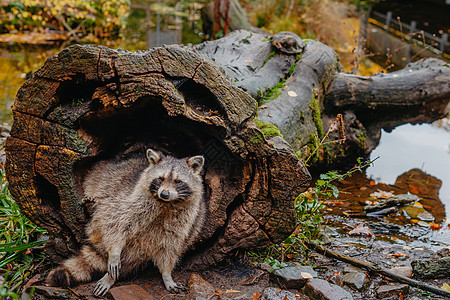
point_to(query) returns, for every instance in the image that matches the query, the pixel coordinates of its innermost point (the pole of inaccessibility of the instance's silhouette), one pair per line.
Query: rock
(52, 292)
(351, 269)
(403, 271)
(444, 252)
(319, 289)
(431, 268)
(272, 293)
(293, 276)
(416, 212)
(129, 292)
(198, 287)
(392, 291)
(357, 280)
(396, 200)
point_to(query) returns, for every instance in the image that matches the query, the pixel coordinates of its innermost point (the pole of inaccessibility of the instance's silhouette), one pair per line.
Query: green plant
(18, 240)
(309, 218)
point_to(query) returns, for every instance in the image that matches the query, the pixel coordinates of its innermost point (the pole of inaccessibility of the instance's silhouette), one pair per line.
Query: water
(425, 147)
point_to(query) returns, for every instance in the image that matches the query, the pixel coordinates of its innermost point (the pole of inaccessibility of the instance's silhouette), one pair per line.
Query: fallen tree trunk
(91, 103)
(300, 88)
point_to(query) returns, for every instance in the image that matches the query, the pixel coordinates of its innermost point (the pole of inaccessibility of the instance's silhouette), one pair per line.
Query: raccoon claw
(113, 269)
(103, 285)
(176, 288)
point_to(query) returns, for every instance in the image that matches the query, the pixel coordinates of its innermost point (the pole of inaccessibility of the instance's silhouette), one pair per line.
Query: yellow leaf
(446, 287)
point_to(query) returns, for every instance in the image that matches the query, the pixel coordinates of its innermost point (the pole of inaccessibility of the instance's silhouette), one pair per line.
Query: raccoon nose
(164, 194)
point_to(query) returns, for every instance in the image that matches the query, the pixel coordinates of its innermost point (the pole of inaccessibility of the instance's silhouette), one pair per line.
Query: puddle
(425, 147)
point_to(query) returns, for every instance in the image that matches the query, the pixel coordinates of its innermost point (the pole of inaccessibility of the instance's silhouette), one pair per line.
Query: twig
(379, 270)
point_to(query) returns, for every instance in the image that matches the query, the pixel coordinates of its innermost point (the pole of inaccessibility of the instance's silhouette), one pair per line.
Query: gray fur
(134, 223)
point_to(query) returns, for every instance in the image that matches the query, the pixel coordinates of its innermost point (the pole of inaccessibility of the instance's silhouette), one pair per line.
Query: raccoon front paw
(103, 285)
(176, 288)
(114, 267)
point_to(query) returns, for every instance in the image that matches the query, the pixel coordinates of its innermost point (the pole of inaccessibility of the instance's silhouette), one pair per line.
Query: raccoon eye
(177, 181)
(161, 178)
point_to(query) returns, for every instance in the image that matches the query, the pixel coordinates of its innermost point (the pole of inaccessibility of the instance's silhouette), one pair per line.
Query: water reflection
(425, 146)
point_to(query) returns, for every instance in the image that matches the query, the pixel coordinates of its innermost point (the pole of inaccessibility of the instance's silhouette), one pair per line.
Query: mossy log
(301, 88)
(91, 103)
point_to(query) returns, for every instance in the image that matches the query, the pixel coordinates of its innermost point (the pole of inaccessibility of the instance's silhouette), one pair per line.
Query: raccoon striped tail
(87, 265)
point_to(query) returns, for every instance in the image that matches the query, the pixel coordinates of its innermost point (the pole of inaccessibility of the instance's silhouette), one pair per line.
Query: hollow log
(91, 103)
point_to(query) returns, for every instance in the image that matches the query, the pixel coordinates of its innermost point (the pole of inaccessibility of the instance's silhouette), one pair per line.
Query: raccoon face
(174, 179)
(169, 189)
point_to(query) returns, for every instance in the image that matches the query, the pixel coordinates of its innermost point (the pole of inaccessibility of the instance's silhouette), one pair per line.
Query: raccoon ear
(153, 157)
(196, 163)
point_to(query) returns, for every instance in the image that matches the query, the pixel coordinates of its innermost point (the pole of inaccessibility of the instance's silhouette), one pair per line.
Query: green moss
(268, 58)
(257, 138)
(362, 138)
(316, 115)
(269, 130)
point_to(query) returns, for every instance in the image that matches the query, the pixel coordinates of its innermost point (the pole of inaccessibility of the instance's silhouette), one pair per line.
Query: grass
(20, 247)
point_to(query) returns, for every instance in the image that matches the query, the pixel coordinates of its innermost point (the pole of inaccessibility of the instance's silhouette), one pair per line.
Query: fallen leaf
(446, 287)
(372, 182)
(306, 275)
(292, 94)
(382, 194)
(149, 284)
(413, 189)
(231, 291)
(256, 296)
(417, 204)
(435, 226)
(263, 106)
(361, 230)
(397, 255)
(334, 203)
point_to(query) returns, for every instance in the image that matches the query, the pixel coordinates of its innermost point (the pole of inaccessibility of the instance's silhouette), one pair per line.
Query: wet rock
(198, 287)
(52, 292)
(382, 212)
(403, 271)
(431, 268)
(357, 280)
(417, 212)
(444, 252)
(383, 227)
(319, 289)
(396, 200)
(293, 276)
(392, 291)
(272, 293)
(351, 269)
(129, 292)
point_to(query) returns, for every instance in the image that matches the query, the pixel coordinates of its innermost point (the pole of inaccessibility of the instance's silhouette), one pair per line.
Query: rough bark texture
(90, 103)
(312, 90)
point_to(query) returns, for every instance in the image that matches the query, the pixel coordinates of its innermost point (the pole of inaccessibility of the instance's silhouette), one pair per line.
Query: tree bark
(312, 90)
(91, 103)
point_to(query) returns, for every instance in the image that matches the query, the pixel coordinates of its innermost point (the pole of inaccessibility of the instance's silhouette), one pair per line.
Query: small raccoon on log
(146, 209)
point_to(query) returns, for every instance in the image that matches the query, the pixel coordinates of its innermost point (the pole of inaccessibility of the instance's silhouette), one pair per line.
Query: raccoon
(146, 209)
